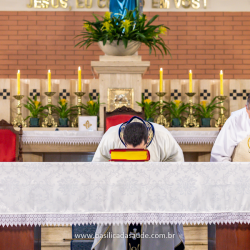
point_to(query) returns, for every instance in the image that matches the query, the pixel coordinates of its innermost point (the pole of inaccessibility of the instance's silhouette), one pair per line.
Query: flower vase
(63, 122)
(205, 122)
(34, 122)
(176, 122)
(112, 49)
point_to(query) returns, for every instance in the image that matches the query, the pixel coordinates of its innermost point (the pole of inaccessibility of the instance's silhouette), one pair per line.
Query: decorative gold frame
(129, 95)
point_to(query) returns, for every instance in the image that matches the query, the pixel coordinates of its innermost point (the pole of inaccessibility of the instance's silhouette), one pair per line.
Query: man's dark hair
(135, 133)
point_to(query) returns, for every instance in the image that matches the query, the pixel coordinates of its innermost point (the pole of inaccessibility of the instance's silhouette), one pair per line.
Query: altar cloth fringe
(116, 219)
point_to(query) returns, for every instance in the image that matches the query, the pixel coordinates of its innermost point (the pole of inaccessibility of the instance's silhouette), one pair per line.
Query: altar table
(196, 143)
(70, 193)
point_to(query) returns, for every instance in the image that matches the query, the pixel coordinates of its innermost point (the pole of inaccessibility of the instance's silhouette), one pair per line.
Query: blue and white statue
(120, 6)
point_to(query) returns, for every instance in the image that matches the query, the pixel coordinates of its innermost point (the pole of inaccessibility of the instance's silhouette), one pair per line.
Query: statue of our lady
(120, 6)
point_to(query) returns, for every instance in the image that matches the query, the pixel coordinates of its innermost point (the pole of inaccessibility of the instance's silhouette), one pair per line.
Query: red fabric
(117, 119)
(7, 146)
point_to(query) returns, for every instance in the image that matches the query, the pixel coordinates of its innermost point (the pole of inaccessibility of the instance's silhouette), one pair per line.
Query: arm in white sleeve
(170, 150)
(225, 143)
(108, 142)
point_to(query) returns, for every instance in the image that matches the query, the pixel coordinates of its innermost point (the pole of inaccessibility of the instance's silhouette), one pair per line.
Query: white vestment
(163, 148)
(236, 129)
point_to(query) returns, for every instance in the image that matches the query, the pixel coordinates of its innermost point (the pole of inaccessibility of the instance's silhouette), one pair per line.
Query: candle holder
(49, 121)
(79, 107)
(191, 121)
(19, 121)
(161, 119)
(222, 119)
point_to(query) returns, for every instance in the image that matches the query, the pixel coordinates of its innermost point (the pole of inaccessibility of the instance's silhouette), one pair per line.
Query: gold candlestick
(79, 107)
(161, 119)
(49, 121)
(191, 121)
(222, 119)
(19, 121)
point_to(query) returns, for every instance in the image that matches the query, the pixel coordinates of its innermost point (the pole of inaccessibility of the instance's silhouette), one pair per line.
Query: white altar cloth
(80, 137)
(62, 137)
(70, 193)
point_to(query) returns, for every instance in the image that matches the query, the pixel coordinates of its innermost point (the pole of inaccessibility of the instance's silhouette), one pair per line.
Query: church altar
(196, 143)
(42, 193)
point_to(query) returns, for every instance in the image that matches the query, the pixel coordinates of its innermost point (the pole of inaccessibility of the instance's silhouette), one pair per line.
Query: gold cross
(87, 124)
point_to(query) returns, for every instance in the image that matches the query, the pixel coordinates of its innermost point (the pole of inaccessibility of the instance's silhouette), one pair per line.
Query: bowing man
(140, 134)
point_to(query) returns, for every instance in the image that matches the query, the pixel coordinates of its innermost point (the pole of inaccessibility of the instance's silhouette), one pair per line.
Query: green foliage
(131, 27)
(35, 107)
(92, 108)
(149, 107)
(176, 109)
(62, 110)
(207, 111)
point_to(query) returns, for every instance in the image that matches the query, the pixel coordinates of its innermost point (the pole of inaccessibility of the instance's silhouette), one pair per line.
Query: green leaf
(152, 20)
(125, 42)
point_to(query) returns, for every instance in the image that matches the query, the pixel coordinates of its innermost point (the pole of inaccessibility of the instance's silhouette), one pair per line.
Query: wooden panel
(196, 147)
(17, 238)
(196, 247)
(52, 237)
(34, 157)
(233, 237)
(204, 157)
(190, 156)
(57, 247)
(196, 237)
(50, 148)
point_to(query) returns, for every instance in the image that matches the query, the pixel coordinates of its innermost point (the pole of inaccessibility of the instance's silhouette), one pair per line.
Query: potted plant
(119, 35)
(149, 108)
(206, 112)
(35, 107)
(176, 108)
(92, 108)
(63, 111)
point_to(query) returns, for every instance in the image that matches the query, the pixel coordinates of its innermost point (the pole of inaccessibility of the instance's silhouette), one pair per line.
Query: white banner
(102, 5)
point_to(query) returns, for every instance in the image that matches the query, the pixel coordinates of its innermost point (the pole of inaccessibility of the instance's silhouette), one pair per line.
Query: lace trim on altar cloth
(62, 137)
(195, 137)
(126, 218)
(80, 137)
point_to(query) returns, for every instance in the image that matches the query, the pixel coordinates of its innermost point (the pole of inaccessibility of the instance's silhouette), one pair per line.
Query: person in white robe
(163, 148)
(233, 133)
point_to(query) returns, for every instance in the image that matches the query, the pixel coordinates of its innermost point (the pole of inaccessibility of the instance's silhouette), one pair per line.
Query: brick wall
(205, 42)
